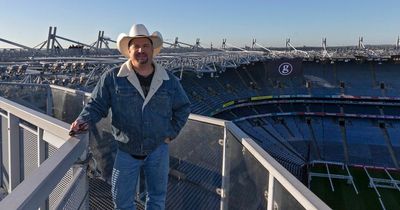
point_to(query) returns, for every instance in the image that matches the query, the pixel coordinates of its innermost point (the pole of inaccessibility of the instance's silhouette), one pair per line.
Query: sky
(270, 22)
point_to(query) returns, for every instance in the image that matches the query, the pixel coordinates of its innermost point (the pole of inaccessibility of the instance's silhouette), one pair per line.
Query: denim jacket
(140, 124)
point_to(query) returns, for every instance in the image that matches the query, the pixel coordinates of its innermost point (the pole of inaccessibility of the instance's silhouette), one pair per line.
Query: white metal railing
(36, 187)
(277, 172)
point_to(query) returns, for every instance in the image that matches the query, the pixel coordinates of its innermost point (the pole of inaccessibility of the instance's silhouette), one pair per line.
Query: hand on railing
(78, 127)
(168, 140)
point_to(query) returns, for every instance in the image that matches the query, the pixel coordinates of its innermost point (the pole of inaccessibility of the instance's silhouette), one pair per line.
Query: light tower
(253, 44)
(361, 42)
(197, 45)
(101, 39)
(287, 44)
(324, 50)
(324, 43)
(223, 44)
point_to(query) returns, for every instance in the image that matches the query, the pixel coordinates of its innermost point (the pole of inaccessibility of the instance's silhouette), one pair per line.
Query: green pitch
(344, 197)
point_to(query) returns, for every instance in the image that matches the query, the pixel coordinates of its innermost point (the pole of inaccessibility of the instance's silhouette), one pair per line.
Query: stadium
(283, 128)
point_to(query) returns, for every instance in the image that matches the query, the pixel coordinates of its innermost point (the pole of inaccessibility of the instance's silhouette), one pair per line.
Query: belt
(139, 157)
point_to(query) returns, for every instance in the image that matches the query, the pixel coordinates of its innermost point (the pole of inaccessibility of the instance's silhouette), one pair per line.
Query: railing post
(225, 173)
(270, 204)
(14, 173)
(41, 145)
(3, 137)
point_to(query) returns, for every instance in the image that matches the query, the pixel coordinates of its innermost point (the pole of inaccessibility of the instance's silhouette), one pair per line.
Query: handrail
(210, 120)
(46, 122)
(301, 193)
(78, 92)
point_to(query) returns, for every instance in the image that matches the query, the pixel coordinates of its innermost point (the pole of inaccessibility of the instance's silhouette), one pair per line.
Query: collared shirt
(145, 82)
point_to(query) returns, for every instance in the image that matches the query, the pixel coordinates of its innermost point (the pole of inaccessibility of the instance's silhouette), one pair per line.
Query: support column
(48, 38)
(98, 40)
(102, 39)
(53, 38)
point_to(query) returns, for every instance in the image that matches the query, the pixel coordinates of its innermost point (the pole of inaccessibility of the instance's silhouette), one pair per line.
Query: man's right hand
(78, 126)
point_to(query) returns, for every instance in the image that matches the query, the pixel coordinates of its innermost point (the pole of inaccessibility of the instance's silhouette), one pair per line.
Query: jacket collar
(126, 69)
(160, 74)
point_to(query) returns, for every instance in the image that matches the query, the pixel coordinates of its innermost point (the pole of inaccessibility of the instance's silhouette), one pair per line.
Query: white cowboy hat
(139, 30)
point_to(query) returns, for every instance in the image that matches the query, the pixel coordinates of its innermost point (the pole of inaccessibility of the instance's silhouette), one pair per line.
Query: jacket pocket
(127, 102)
(161, 104)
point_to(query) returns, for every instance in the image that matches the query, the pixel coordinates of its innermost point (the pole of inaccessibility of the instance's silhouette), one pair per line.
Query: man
(149, 107)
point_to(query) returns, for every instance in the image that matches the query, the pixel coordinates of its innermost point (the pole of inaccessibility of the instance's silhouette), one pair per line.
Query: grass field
(345, 197)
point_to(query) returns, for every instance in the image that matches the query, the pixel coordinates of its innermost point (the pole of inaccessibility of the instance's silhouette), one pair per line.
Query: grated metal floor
(182, 195)
(100, 195)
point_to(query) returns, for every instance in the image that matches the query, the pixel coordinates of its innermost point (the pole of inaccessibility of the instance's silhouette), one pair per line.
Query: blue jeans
(125, 175)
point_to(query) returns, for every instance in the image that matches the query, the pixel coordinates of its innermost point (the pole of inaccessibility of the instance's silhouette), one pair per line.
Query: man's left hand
(168, 140)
